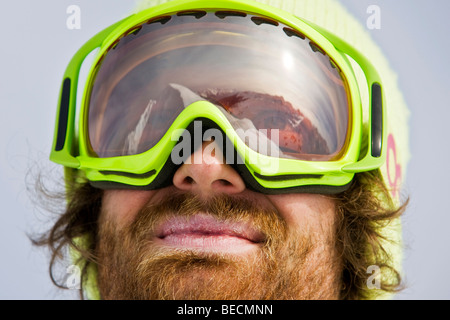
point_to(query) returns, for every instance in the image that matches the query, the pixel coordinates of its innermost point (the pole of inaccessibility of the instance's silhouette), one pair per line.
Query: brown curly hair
(363, 211)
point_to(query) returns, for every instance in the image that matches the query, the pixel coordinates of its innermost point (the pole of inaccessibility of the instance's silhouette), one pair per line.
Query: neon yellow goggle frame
(364, 150)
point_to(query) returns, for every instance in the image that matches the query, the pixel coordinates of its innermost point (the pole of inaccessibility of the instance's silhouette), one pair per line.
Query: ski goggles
(277, 94)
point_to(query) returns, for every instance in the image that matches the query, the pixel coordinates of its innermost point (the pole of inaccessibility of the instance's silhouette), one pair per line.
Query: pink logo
(394, 174)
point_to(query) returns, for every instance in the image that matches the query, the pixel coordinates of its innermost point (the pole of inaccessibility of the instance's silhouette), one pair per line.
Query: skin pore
(208, 237)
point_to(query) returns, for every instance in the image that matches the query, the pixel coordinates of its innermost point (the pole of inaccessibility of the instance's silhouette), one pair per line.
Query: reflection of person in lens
(207, 236)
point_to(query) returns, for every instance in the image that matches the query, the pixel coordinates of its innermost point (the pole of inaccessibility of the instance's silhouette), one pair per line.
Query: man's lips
(206, 233)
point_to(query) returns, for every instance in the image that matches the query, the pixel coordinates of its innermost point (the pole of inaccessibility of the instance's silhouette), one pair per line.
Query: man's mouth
(203, 232)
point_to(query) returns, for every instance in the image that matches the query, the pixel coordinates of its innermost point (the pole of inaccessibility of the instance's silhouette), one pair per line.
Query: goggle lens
(254, 70)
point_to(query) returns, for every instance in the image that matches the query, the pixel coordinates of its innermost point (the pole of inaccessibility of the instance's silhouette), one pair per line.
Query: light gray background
(35, 47)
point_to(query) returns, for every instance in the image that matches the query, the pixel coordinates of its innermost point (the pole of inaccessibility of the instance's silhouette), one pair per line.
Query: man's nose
(206, 173)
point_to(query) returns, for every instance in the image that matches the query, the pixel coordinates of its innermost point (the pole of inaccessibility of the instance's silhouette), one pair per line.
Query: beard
(289, 264)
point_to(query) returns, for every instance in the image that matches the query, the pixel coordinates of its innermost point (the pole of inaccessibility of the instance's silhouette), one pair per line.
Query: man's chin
(204, 275)
(169, 273)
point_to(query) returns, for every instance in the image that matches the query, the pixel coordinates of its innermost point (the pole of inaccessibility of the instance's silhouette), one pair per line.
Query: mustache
(223, 207)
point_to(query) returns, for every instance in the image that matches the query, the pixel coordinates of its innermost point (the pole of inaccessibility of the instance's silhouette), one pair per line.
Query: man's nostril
(225, 182)
(189, 180)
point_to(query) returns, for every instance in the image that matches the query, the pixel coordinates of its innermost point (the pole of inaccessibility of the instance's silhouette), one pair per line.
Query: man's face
(208, 237)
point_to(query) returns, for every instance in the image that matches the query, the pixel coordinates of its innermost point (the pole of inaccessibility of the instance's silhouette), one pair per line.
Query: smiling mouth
(203, 232)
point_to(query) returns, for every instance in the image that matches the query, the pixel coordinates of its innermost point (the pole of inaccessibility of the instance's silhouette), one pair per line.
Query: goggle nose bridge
(203, 121)
(201, 130)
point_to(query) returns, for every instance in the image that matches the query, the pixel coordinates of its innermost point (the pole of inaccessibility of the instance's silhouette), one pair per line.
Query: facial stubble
(289, 264)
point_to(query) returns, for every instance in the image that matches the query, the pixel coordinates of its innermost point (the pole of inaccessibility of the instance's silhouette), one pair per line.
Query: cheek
(122, 206)
(306, 210)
